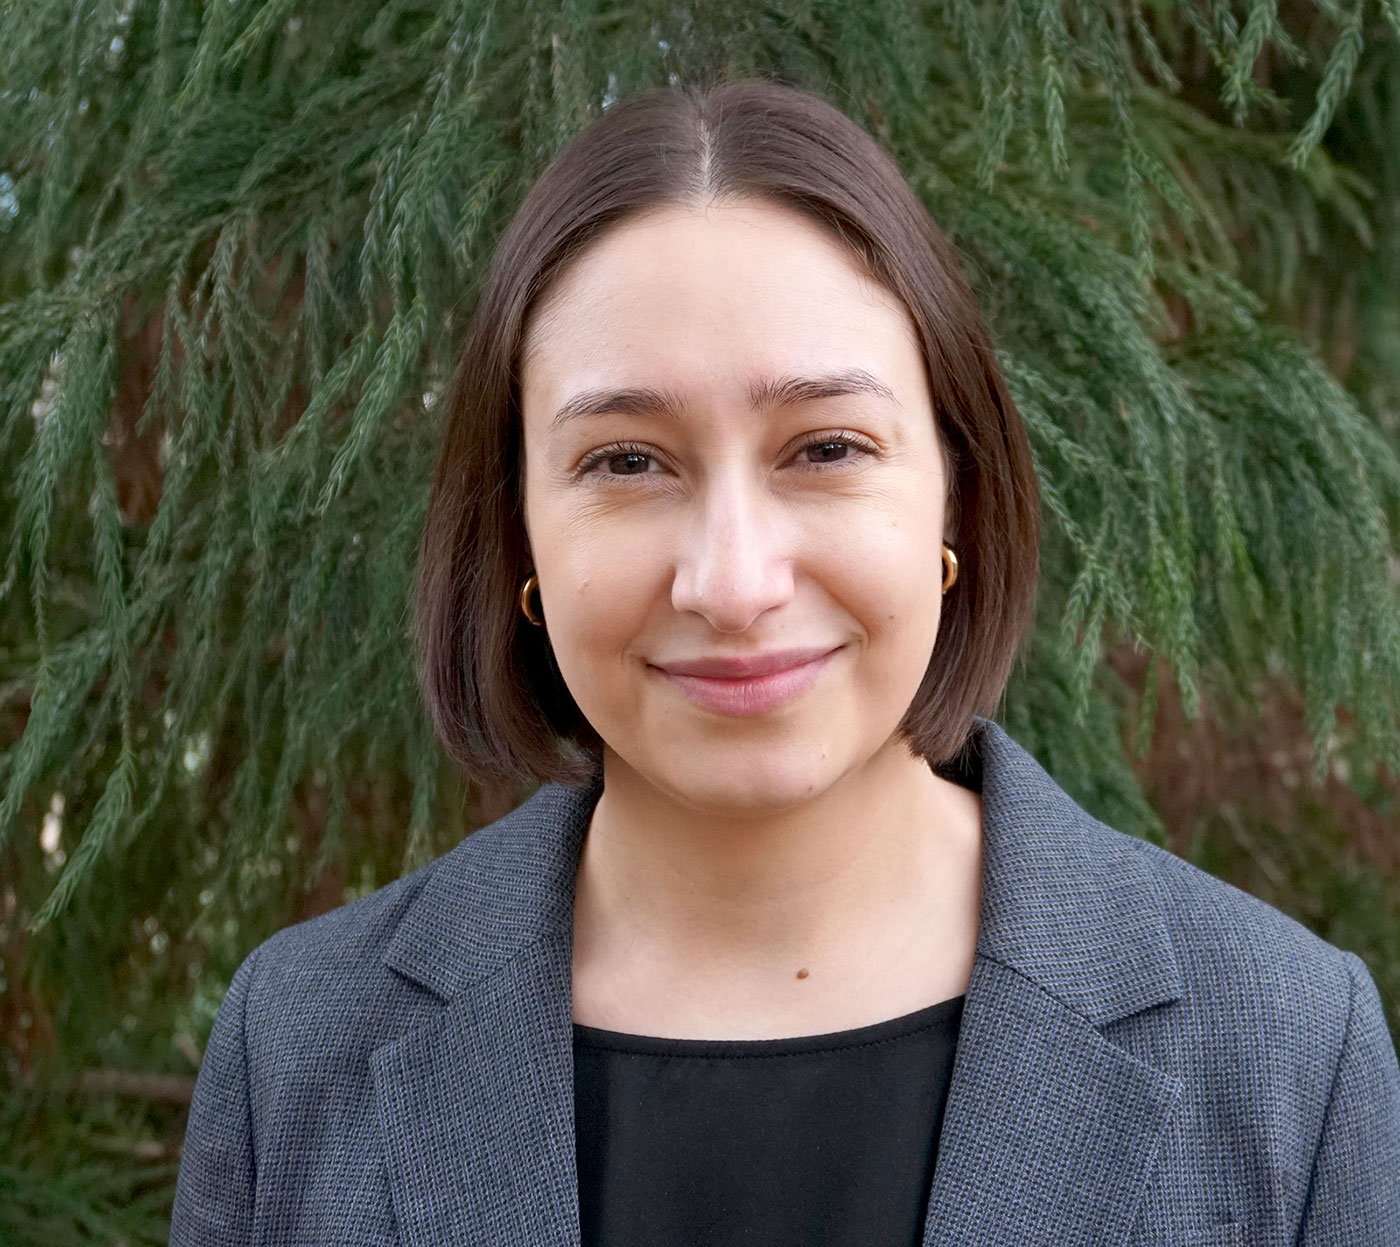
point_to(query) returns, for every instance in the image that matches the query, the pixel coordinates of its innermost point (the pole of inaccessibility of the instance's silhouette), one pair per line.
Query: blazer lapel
(1050, 1128)
(477, 1112)
(476, 1104)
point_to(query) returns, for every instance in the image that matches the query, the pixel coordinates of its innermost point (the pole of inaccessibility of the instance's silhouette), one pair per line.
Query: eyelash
(840, 438)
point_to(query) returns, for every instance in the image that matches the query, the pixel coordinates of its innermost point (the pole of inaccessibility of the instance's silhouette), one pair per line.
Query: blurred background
(238, 242)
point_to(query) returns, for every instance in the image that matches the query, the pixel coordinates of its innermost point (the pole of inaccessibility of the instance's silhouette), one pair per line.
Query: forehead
(704, 297)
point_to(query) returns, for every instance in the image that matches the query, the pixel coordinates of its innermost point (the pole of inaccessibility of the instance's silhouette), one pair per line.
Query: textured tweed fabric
(1149, 1057)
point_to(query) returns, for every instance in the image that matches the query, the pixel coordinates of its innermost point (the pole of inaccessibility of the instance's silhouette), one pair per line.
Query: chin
(747, 779)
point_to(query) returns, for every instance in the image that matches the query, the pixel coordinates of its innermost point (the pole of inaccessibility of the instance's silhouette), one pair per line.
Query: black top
(818, 1141)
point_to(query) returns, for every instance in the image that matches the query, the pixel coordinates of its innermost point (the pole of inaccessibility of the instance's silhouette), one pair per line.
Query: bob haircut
(497, 701)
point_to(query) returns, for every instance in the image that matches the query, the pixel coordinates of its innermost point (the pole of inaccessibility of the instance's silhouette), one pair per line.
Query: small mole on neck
(802, 974)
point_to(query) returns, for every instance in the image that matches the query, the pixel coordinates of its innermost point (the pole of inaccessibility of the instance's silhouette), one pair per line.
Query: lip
(746, 668)
(747, 686)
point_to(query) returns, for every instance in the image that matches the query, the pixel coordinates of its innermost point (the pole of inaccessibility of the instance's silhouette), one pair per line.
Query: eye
(629, 457)
(834, 448)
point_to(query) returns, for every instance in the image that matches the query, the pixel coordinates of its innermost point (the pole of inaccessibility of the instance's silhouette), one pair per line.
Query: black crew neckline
(943, 1011)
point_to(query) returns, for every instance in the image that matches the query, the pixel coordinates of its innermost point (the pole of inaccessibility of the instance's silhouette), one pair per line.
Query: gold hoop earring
(531, 582)
(950, 565)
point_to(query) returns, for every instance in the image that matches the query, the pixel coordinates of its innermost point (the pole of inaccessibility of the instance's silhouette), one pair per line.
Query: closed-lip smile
(748, 668)
(752, 685)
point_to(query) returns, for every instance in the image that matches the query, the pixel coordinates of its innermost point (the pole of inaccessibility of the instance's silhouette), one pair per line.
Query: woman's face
(730, 452)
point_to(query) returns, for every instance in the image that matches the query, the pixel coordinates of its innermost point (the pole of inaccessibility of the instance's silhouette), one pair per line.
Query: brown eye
(835, 449)
(618, 460)
(629, 463)
(828, 452)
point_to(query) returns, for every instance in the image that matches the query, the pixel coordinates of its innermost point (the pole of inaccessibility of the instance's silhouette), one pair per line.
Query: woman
(731, 545)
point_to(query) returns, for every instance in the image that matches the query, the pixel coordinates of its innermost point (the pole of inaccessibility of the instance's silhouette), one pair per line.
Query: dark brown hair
(498, 703)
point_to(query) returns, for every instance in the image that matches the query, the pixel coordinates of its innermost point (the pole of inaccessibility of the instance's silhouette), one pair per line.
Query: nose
(736, 557)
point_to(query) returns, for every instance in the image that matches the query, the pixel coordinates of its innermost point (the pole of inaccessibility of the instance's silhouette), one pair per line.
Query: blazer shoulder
(338, 945)
(1246, 965)
(350, 937)
(1206, 910)
(1282, 1041)
(321, 986)
(333, 973)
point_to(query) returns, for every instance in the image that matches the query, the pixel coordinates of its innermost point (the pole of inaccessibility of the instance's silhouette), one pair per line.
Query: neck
(869, 867)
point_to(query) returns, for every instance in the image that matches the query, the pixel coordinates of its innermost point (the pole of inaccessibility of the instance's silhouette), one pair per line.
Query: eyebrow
(766, 392)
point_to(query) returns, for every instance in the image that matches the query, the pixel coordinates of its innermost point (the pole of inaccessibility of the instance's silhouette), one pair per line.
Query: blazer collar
(1048, 1123)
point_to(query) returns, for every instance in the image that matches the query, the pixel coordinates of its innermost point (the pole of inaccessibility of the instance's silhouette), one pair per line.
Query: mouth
(754, 693)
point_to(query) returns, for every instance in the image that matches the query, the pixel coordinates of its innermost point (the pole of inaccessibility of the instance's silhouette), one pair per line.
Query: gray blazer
(1148, 1055)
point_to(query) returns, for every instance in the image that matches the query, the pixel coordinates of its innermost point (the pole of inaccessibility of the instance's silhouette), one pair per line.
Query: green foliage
(62, 1188)
(239, 242)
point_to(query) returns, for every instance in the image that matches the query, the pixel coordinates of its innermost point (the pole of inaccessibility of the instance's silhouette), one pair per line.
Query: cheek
(595, 604)
(887, 574)
(901, 628)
